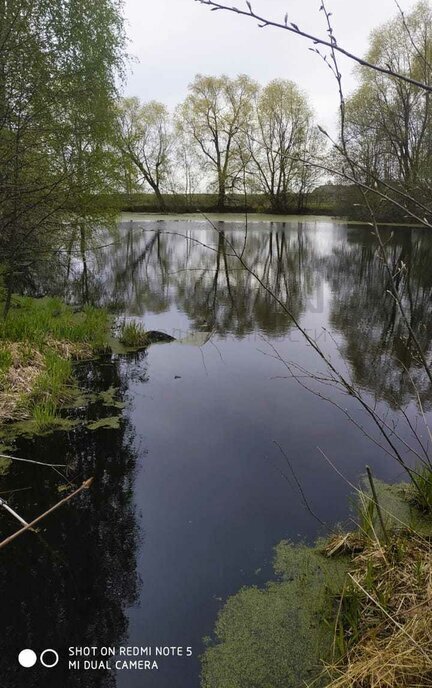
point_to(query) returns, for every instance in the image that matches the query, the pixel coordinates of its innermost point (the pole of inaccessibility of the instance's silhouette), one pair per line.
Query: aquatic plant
(279, 635)
(133, 334)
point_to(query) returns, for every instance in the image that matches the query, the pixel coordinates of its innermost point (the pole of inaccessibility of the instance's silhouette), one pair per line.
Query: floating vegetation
(279, 635)
(108, 398)
(109, 423)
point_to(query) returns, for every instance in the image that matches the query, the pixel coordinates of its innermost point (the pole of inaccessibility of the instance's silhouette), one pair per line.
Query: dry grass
(27, 367)
(392, 645)
(71, 350)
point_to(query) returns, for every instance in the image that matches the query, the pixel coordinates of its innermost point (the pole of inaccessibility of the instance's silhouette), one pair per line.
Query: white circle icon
(54, 658)
(27, 658)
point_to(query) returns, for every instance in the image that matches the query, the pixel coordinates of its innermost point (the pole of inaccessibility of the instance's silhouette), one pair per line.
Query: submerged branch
(85, 486)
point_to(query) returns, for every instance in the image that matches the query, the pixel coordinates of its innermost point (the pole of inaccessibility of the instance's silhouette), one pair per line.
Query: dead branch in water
(85, 486)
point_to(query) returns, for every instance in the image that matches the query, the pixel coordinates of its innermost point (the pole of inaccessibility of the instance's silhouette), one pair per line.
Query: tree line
(232, 135)
(68, 138)
(228, 135)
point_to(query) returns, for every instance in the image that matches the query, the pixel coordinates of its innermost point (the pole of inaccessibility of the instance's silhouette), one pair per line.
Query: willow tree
(60, 63)
(145, 141)
(389, 120)
(280, 138)
(214, 117)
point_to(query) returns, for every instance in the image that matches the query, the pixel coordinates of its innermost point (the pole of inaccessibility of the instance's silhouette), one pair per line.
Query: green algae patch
(31, 427)
(5, 464)
(110, 423)
(109, 398)
(278, 636)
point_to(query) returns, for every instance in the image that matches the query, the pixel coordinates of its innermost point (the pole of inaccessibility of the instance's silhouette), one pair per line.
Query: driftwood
(85, 486)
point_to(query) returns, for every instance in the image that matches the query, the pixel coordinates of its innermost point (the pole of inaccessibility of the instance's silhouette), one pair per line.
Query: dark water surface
(192, 492)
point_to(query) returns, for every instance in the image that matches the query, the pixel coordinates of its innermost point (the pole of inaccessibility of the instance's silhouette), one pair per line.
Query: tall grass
(133, 334)
(38, 341)
(36, 320)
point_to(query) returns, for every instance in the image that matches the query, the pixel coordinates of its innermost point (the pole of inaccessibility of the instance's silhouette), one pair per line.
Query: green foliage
(277, 636)
(5, 360)
(41, 337)
(51, 385)
(133, 335)
(37, 320)
(212, 119)
(423, 489)
(60, 64)
(383, 150)
(145, 141)
(45, 415)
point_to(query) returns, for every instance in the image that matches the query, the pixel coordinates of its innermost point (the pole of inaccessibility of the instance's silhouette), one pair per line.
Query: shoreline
(256, 218)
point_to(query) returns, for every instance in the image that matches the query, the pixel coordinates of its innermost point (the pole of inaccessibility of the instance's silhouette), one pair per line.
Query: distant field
(147, 203)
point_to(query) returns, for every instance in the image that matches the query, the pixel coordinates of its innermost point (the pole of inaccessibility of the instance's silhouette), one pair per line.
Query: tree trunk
(160, 198)
(221, 197)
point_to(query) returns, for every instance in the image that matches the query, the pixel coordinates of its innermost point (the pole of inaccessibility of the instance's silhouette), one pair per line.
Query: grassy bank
(208, 203)
(39, 340)
(353, 612)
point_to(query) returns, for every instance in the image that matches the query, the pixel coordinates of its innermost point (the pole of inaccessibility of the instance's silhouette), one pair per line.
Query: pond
(224, 445)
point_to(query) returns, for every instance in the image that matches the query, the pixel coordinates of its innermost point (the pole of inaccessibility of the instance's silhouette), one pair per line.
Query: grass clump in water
(133, 334)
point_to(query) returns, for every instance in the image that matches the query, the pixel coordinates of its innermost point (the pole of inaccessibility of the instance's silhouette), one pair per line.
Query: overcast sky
(172, 40)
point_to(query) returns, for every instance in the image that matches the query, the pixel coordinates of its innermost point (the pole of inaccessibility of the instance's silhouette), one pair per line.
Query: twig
(6, 506)
(85, 486)
(298, 483)
(38, 463)
(378, 508)
(293, 28)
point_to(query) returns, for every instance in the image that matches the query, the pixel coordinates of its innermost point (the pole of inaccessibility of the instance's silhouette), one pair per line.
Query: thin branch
(85, 486)
(317, 40)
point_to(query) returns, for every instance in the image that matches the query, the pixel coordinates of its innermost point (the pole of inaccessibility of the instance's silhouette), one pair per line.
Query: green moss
(278, 636)
(45, 425)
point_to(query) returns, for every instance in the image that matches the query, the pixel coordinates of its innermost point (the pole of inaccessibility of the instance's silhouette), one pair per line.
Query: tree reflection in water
(71, 583)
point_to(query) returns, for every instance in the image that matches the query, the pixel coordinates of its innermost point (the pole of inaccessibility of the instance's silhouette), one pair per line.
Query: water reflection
(194, 268)
(210, 492)
(71, 583)
(376, 340)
